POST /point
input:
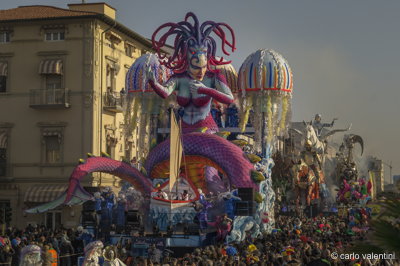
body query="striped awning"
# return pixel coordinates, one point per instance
(44, 193)
(3, 68)
(53, 66)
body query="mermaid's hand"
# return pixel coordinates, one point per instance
(150, 74)
(195, 85)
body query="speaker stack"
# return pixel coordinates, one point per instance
(133, 219)
(194, 229)
(247, 205)
(88, 213)
(88, 206)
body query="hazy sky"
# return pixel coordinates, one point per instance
(344, 54)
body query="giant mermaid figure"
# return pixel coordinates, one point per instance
(195, 82)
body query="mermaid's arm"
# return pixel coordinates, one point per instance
(164, 90)
(221, 93)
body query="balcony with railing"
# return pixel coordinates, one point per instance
(112, 102)
(50, 99)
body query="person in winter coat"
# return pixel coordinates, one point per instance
(66, 250)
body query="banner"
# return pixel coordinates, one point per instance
(175, 152)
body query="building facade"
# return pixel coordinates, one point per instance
(376, 171)
(62, 72)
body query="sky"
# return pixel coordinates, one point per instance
(344, 54)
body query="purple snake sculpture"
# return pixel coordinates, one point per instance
(196, 84)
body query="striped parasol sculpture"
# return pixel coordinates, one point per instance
(141, 102)
(265, 85)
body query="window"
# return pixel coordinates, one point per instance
(54, 36)
(4, 37)
(111, 140)
(3, 162)
(53, 149)
(52, 137)
(51, 71)
(3, 76)
(129, 50)
(3, 84)
(110, 79)
(4, 134)
(6, 211)
(110, 149)
(53, 220)
(53, 81)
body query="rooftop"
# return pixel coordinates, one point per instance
(40, 12)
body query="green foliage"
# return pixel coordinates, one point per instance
(385, 234)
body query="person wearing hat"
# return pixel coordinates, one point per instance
(16, 245)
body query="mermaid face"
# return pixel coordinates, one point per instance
(197, 58)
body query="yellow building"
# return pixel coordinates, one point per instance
(61, 75)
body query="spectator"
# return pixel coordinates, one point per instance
(66, 250)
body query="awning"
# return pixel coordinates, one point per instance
(3, 68)
(54, 66)
(44, 193)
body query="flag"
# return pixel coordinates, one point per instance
(176, 150)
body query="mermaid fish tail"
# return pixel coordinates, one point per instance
(76, 194)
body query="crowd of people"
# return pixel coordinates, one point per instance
(294, 241)
(58, 247)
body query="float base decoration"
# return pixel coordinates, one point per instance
(232, 162)
(243, 225)
(264, 218)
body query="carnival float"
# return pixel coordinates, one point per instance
(196, 173)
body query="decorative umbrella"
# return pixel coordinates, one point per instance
(265, 83)
(141, 98)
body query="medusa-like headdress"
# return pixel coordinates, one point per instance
(189, 34)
